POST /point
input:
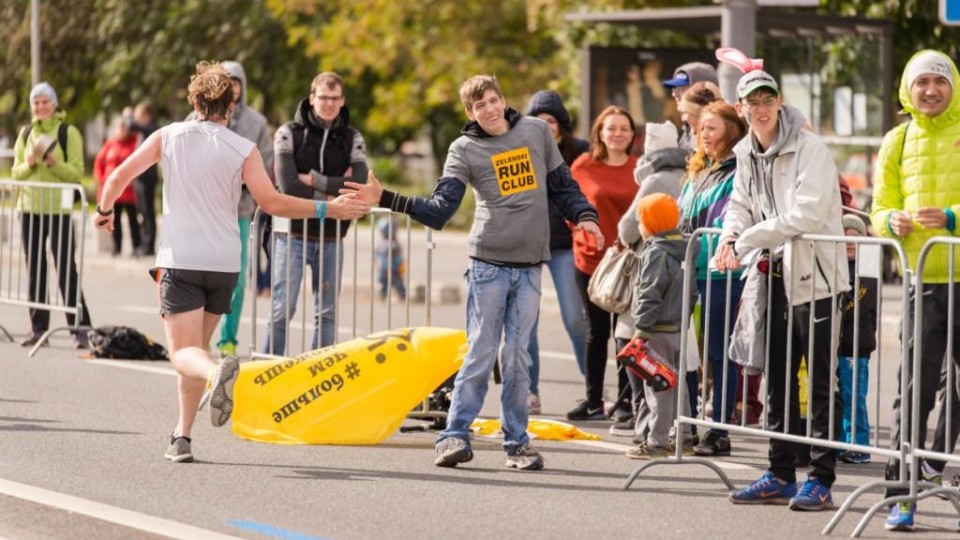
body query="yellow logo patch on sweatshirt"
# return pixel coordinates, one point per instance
(514, 171)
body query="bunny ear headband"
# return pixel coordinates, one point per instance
(737, 59)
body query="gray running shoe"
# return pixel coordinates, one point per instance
(451, 451)
(221, 390)
(179, 450)
(525, 459)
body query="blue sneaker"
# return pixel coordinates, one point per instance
(855, 458)
(813, 496)
(901, 517)
(767, 490)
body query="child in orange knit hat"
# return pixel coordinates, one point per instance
(657, 310)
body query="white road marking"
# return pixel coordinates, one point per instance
(110, 514)
(126, 364)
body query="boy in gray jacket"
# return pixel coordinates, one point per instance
(657, 310)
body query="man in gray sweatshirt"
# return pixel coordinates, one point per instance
(514, 167)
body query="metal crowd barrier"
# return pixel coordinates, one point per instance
(24, 237)
(912, 451)
(360, 270)
(358, 258)
(868, 257)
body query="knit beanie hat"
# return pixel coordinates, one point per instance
(660, 136)
(44, 89)
(928, 63)
(658, 213)
(851, 221)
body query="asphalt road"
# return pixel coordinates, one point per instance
(82, 444)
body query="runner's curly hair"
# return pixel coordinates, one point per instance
(210, 91)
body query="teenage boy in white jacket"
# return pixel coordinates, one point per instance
(786, 186)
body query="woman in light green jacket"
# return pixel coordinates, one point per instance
(46, 213)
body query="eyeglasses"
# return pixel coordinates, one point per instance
(327, 99)
(756, 104)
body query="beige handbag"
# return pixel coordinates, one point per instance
(611, 285)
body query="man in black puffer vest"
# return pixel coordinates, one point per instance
(313, 156)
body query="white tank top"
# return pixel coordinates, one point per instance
(202, 165)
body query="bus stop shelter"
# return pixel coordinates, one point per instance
(838, 70)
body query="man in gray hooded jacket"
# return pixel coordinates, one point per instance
(252, 126)
(786, 186)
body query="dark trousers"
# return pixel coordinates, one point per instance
(783, 373)
(35, 231)
(145, 188)
(131, 212)
(932, 373)
(601, 326)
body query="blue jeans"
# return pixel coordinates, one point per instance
(845, 371)
(715, 352)
(571, 310)
(231, 322)
(502, 302)
(289, 254)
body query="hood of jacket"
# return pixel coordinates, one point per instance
(548, 101)
(306, 117)
(949, 116)
(47, 124)
(235, 70)
(672, 242)
(658, 160)
(473, 129)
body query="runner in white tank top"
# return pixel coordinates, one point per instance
(203, 166)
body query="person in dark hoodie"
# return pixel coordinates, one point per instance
(547, 106)
(316, 154)
(785, 186)
(250, 125)
(515, 169)
(659, 170)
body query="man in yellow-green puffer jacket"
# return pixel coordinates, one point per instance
(915, 198)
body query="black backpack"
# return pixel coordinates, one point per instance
(61, 136)
(124, 343)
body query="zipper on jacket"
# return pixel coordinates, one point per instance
(323, 147)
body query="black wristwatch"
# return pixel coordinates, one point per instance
(104, 214)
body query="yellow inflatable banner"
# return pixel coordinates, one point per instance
(547, 430)
(357, 392)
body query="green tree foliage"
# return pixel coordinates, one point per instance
(916, 26)
(404, 59)
(106, 54)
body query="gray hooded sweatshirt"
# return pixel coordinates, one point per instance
(250, 125)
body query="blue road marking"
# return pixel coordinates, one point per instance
(270, 530)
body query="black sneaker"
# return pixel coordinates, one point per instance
(32, 340)
(622, 412)
(623, 429)
(583, 411)
(713, 445)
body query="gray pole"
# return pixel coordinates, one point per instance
(738, 29)
(35, 41)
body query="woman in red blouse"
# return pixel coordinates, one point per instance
(115, 150)
(606, 179)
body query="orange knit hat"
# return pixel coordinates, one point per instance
(658, 212)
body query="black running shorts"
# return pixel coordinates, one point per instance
(186, 290)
